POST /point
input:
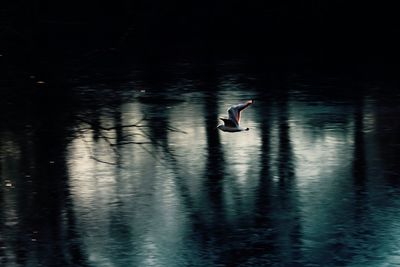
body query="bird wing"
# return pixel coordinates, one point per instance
(234, 111)
(228, 122)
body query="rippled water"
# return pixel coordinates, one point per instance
(135, 173)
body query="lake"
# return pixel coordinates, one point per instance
(131, 171)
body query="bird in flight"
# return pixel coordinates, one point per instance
(231, 124)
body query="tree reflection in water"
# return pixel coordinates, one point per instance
(312, 182)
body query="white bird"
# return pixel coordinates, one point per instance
(232, 123)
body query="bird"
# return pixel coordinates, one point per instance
(231, 124)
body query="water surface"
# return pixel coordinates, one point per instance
(133, 172)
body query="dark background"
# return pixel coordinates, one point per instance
(323, 35)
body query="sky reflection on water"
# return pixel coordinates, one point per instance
(313, 183)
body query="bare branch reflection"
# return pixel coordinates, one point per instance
(313, 182)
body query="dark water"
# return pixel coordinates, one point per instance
(132, 172)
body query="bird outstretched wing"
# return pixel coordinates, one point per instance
(234, 111)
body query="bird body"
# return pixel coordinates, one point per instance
(231, 124)
(231, 129)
